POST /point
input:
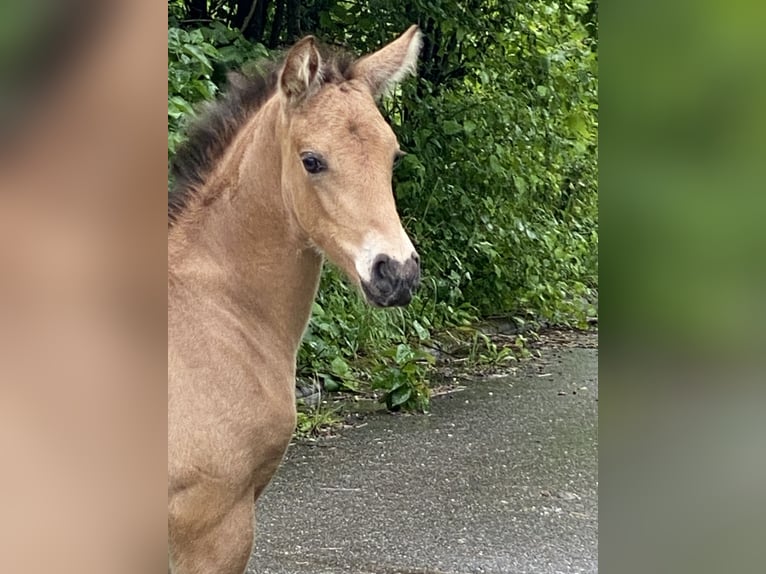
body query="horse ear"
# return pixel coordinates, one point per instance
(300, 73)
(383, 69)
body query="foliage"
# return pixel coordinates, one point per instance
(348, 344)
(313, 422)
(499, 187)
(189, 78)
(402, 377)
(197, 60)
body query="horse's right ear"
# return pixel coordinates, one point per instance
(300, 75)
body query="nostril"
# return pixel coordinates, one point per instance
(416, 258)
(380, 266)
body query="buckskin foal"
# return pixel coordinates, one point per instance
(285, 168)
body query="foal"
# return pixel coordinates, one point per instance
(285, 169)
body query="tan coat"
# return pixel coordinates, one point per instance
(305, 175)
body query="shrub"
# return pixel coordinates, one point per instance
(499, 187)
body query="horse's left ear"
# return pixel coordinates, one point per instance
(300, 73)
(383, 69)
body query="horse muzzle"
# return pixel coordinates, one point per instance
(392, 283)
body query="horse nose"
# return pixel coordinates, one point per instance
(392, 282)
(386, 270)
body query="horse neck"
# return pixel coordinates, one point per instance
(246, 243)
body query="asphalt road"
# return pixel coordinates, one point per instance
(499, 478)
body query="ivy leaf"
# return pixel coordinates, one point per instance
(451, 127)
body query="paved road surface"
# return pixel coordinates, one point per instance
(499, 478)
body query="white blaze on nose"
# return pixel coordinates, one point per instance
(375, 244)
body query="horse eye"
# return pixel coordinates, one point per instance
(312, 163)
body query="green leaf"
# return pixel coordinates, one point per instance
(422, 332)
(451, 127)
(339, 367)
(331, 386)
(400, 396)
(177, 104)
(403, 353)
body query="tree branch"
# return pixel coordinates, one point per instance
(276, 25)
(293, 20)
(249, 16)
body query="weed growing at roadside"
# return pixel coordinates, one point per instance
(314, 422)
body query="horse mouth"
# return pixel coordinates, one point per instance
(398, 297)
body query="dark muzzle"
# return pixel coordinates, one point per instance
(392, 283)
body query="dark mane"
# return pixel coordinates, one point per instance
(219, 122)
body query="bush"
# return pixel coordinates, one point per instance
(498, 190)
